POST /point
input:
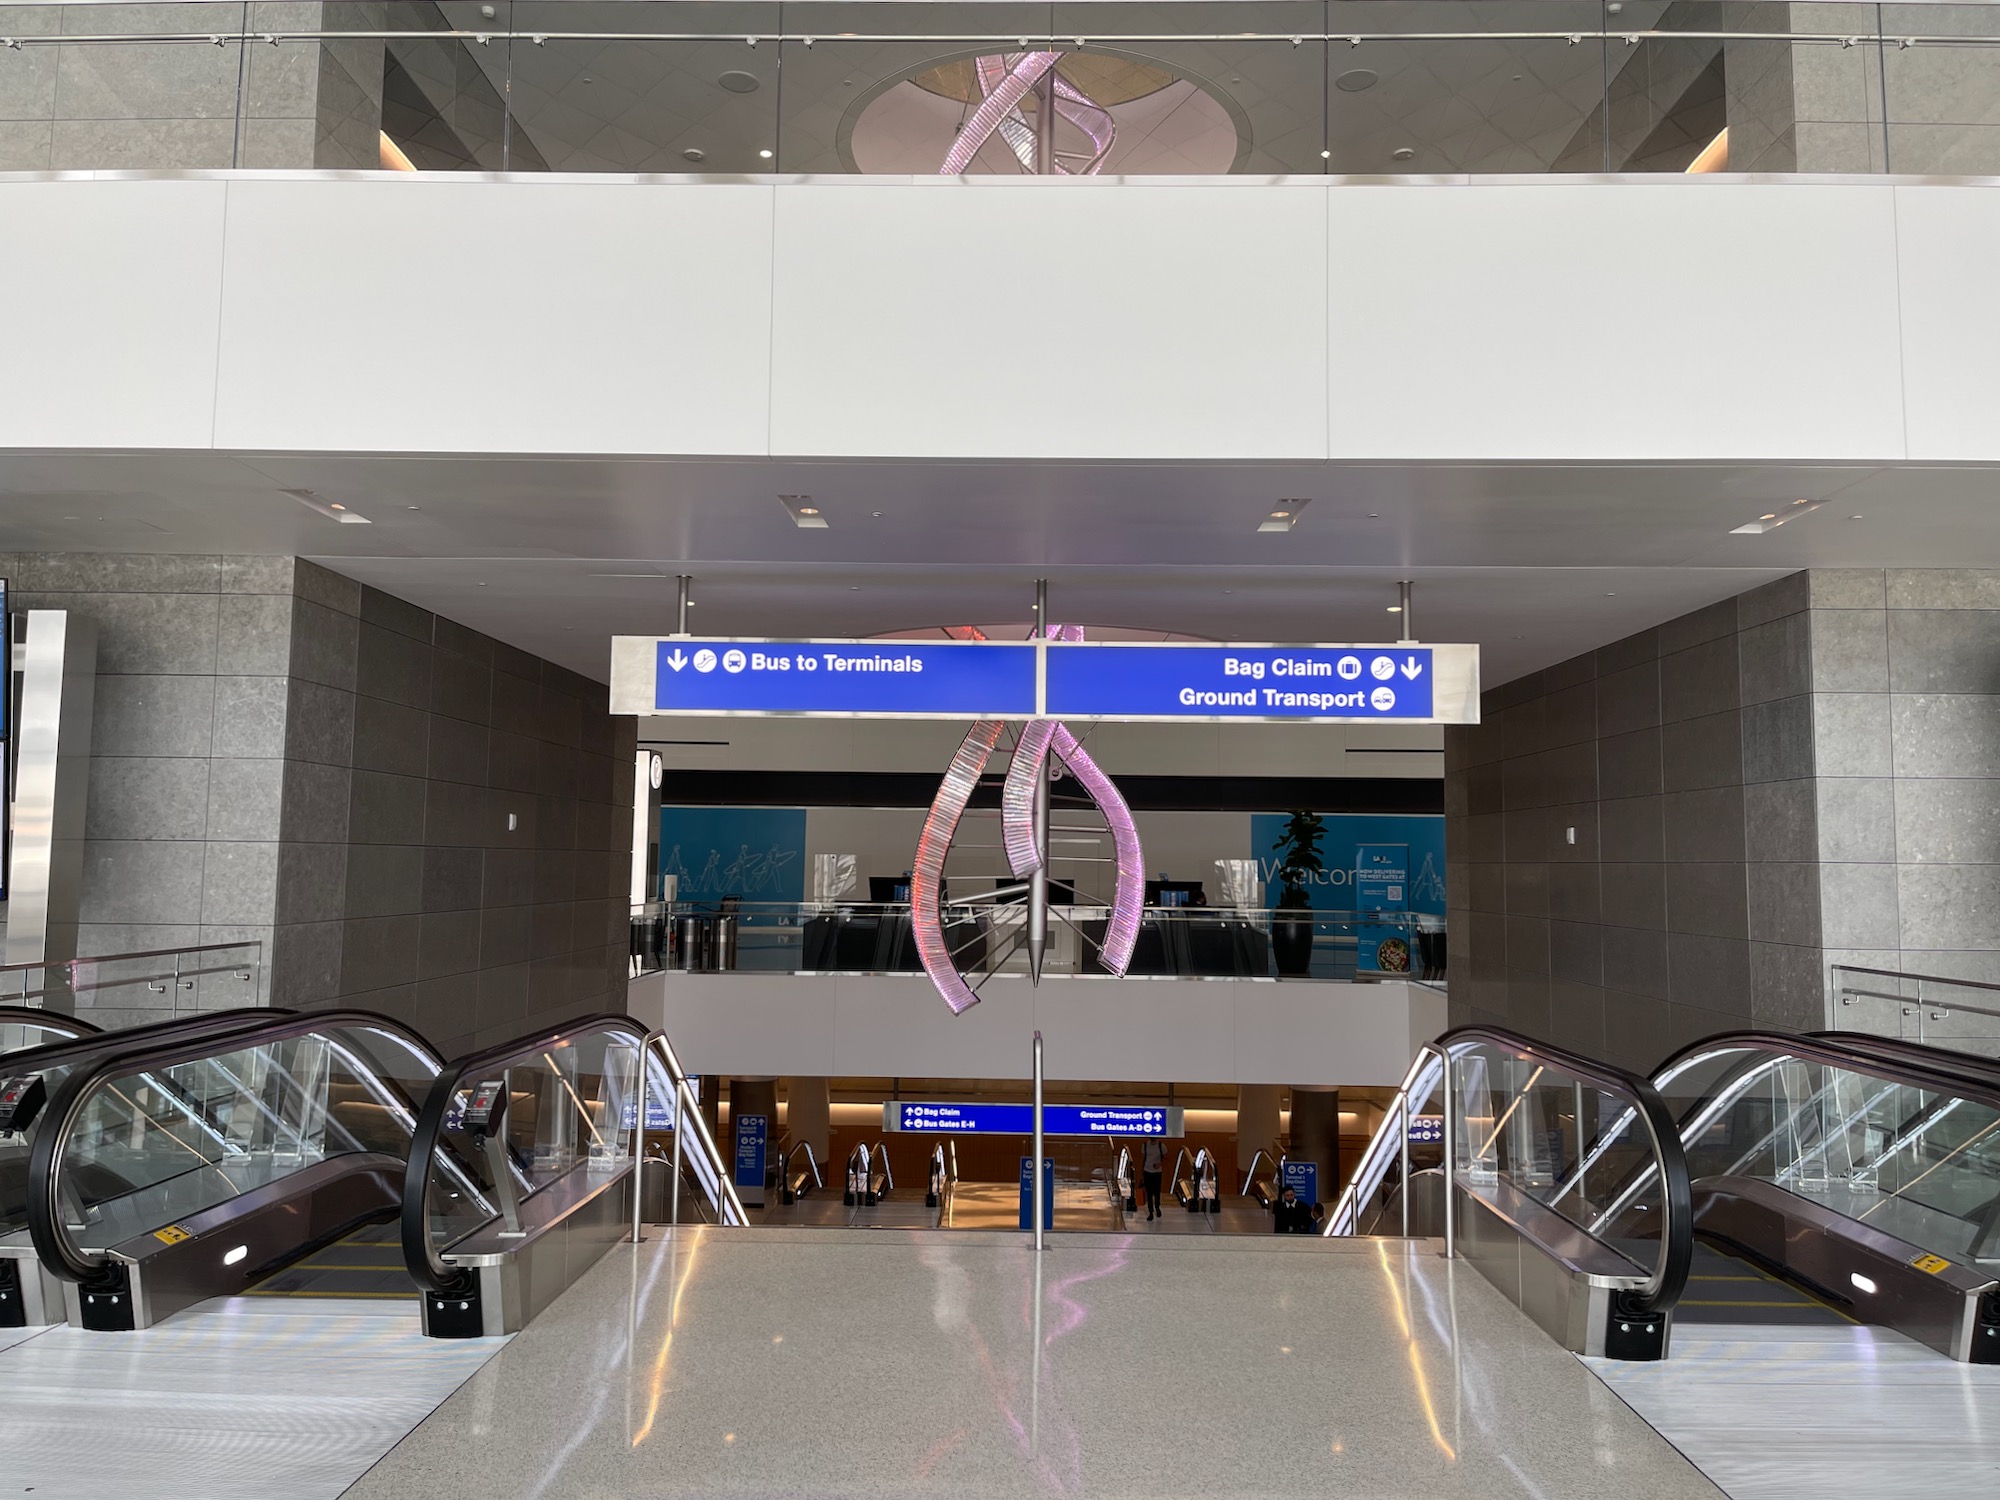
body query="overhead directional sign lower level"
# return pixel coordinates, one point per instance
(1151, 680)
(935, 1117)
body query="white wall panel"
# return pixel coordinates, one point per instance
(543, 317)
(1158, 1031)
(1665, 320)
(994, 317)
(1949, 244)
(110, 329)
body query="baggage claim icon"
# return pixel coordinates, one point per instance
(964, 940)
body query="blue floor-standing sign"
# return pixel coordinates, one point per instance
(752, 1131)
(1302, 1177)
(1028, 1192)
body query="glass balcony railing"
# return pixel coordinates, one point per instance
(1103, 87)
(1175, 942)
(1960, 1014)
(118, 990)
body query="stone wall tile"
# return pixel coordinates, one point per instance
(143, 634)
(1858, 905)
(1704, 752)
(1850, 651)
(1635, 962)
(1785, 903)
(325, 645)
(1943, 588)
(1628, 699)
(1947, 821)
(1576, 952)
(312, 882)
(115, 572)
(1944, 650)
(324, 586)
(1848, 588)
(1619, 655)
(1714, 622)
(1485, 839)
(1482, 788)
(385, 880)
(1708, 899)
(391, 613)
(1787, 987)
(1938, 735)
(1573, 892)
(256, 575)
(152, 882)
(153, 716)
(448, 943)
(254, 635)
(390, 737)
(149, 797)
(1705, 825)
(1776, 659)
(1630, 765)
(1632, 829)
(1576, 1017)
(377, 952)
(1857, 819)
(245, 802)
(1488, 888)
(1780, 821)
(1633, 895)
(1773, 601)
(318, 802)
(394, 666)
(462, 688)
(386, 809)
(239, 882)
(1704, 679)
(1778, 740)
(1940, 906)
(1851, 734)
(452, 879)
(319, 723)
(1711, 973)
(250, 716)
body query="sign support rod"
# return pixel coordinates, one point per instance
(1404, 588)
(1041, 1228)
(684, 587)
(1038, 882)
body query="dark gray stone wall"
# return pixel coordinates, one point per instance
(282, 755)
(1804, 775)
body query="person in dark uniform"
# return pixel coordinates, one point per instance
(1154, 1163)
(1290, 1216)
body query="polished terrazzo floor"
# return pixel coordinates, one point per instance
(236, 1399)
(766, 1362)
(1805, 1413)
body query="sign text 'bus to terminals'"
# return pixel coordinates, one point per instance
(1164, 681)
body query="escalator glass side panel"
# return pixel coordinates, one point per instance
(1528, 1126)
(142, 1142)
(507, 1130)
(1905, 1151)
(23, 1027)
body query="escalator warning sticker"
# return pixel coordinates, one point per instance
(1931, 1263)
(173, 1234)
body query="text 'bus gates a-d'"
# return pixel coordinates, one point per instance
(1162, 682)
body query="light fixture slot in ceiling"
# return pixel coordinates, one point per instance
(804, 513)
(1771, 520)
(1283, 516)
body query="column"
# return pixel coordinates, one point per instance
(809, 1115)
(1316, 1134)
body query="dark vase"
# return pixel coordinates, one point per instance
(1292, 942)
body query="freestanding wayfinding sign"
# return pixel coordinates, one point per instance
(1168, 682)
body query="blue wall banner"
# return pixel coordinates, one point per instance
(756, 853)
(930, 1115)
(1028, 1192)
(1334, 888)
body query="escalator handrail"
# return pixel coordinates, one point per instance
(76, 1049)
(1668, 1278)
(1979, 1087)
(1976, 1069)
(63, 1112)
(420, 1256)
(34, 1015)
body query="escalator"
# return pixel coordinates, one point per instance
(271, 1155)
(26, 1026)
(1828, 1179)
(28, 1075)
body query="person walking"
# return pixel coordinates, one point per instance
(1153, 1163)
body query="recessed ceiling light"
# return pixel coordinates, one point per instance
(695, 153)
(876, 514)
(1357, 80)
(1283, 516)
(1771, 520)
(1611, 596)
(333, 511)
(1404, 153)
(738, 82)
(1395, 609)
(805, 515)
(765, 155)
(1854, 518)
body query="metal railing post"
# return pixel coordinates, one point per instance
(639, 1146)
(1035, 1180)
(1403, 1122)
(1450, 1156)
(680, 1119)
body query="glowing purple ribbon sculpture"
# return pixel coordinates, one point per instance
(1021, 835)
(1004, 81)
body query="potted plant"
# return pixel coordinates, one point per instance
(1292, 923)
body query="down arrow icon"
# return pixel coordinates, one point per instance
(678, 659)
(1412, 668)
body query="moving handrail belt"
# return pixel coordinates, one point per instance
(420, 1255)
(64, 1113)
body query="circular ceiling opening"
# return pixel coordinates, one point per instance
(1112, 114)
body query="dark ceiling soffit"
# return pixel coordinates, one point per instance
(1325, 794)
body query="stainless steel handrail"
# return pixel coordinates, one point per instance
(687, 1107)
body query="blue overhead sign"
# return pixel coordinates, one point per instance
(1146, 680)
(1019, 1119)
(1239, 682)
(920, 679)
